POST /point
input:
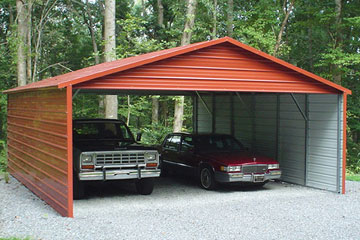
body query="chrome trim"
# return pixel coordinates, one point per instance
(254, 168)
(120, 158)
(119, 174)
(178, 164)
(241, 177)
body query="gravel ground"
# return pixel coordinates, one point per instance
(179, 209)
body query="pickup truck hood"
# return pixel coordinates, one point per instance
(109, 145)
(235, 158)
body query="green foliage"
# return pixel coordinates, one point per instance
(353, 177)
(3, 156)
(154, 134)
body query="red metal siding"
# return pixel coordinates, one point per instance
(37, 145)
(223, 67)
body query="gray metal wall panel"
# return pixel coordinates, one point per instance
(322, 167)
(243, 120)
(340, 143)
(204, 119)
(291, 149)
(265, 124)
(223, 114)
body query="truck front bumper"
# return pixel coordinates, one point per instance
(119, 174)
(240, 177)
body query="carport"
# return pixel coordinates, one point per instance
(273, 107)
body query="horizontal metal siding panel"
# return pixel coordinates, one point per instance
(265, 124)
(322, 170)
(292, 139)
(218, 68)
(37, 144)
(243, 119)
(222, 114)
(204, 119)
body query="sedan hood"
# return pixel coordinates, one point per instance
(235, 158)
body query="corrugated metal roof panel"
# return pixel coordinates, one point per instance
(216, 68)
(224, 59)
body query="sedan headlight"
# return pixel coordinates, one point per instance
(150, 156)
(273, 166)
(230, 168)
(86, 159)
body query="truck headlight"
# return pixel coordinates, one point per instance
(150, 156)
(86, 159)
(230, 168)
(273, 166)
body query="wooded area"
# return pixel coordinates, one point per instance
(40, 39)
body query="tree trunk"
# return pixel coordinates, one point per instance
(215, 20)
(155, 110)
(164, 112)
(189, 22)
(185, 40)
(160, 13)
(92, 32)
(338, 40)
(230, 17)
(178, 114)
(22, 34)
(28, 42)
(143, 8)
(111, 101)
(129, 110)
(282, 28)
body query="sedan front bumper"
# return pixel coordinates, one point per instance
(119, 174)
(241, 177)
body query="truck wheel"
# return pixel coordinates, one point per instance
(207, 178)
(78, 188)
(145, 186)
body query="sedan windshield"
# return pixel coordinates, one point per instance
(217, 143)
(101, 130)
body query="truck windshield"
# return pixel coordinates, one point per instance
(217, 143)
(101, 130)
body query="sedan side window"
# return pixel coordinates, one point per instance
(187, 144)
(174, 143)
(167, 142)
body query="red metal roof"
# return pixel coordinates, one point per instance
(103, 69)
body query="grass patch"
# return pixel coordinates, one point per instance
(353, 177)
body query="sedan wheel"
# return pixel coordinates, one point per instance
(207, 179)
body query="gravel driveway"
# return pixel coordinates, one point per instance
(179, 209)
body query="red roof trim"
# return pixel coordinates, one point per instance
(109, 68)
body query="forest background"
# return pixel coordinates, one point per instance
(320, 36)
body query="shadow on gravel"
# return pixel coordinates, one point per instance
(170, 185)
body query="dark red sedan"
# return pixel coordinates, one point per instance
(216, 158)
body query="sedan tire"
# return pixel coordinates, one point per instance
(207, 178)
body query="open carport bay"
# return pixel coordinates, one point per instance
(178, 209)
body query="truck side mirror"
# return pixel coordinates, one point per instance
(138, 136)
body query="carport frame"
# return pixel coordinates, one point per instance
(73, 80)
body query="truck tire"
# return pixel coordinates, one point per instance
(78, 188)
(145, 186)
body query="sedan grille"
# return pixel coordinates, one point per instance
(255, 169)
(120, 158)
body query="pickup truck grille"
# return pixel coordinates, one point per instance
(120, 158)
(255, 169)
